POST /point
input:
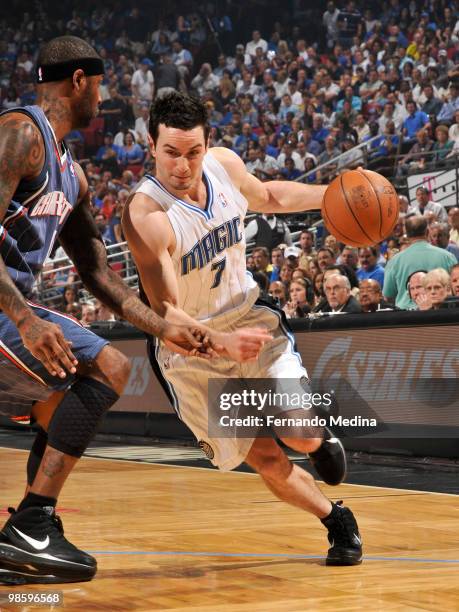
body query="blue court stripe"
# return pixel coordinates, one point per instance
(165, 553)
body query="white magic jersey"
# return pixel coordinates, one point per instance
(210, 257)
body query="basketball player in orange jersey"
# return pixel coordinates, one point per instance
(184, 227)
(44, 197)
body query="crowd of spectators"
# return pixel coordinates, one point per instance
(288, 100)
(416, 269)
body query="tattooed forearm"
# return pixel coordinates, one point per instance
(110, 289)
(81, 240)
(12, 303)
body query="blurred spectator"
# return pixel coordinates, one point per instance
(426, 205)
(256, 42)
(439, 237)
(143, 84)
(454, 277)
(292, 255)
(109, 155)
(103, 313)
(141, 125)
(418, 255)
(337, 289)
(453, 221)
(415, 121)
(88, 314)
(415, 160)
(349, 257)
(352, 156)
(69, 297)
(167, 76)
(261, 260)
(300, 294)
(286, 273)
(277, 259)
(182, 58)
(443, 146)
(371, 297)
(317, 285)
(331, 151)
(437, 288)
(330, 21)
(306, 244)
(113, 110)
(325, 257)
(415, 288)
(349, 23)
(289, 172)
(132, 152)
(448, 110)
(250, 263)
(277, 291)
(432, 105)
(205, 81)
(268, 231)
(369, 268)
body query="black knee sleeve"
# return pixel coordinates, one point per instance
(77, 417)
(36, 454)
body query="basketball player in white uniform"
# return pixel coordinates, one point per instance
(185, 228)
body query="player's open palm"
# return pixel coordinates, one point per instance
(47, 343)
(242, 345)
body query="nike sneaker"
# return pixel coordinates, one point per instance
(329, 460)
(344, 537)
(33, 549)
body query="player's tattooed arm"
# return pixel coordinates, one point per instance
(22, 155)
(83, 243)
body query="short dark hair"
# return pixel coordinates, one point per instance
(64, 49)
(324, 248)
(372, 248)
(179, 111)
(423, 189)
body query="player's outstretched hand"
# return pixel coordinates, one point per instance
(188, 340)
(46, 342)
(242, 345)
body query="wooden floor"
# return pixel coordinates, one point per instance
(174, 538)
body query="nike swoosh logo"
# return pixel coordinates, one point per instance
(333, 440)
(358, 539)
(34, 543)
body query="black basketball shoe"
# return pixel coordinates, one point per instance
(344, 537)
(33, 549)
(329, 460)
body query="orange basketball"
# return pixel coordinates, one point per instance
(360, 207)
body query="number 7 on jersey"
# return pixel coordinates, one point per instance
(219, 266)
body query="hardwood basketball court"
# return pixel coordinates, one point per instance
(180, 538)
